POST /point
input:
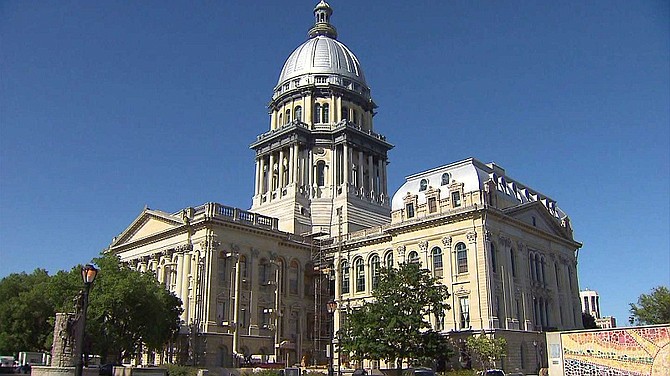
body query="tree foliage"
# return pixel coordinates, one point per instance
(588, 321)
(127, 309)
(394, 324)
(26, 312)
(653, 308)
(487, 350)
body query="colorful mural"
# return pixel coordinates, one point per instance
(625, 351)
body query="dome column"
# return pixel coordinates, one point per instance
(371, 175)
(359, 175)
(280, 183)
(345, 165)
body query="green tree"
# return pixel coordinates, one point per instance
(26, 312)
(486, 349)
(588, 321)
(394, 324)
(653, 308)
(129, 311)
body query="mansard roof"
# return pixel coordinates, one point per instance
(473, 174)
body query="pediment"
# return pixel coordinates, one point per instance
(148, 223)
(536, 215)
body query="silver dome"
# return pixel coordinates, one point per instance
(322, 55)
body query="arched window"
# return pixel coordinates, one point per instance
(544, 276)
(263, 272)
(360, 275)
(297, 113)
(288, 116)
(243, 266)
(321, 173)
(437, 258)
(293, 277)
(436, 253)
(374, 266)
(413, 257)
(345, 113)
(345, 277)
(445, 178)
(388, 260)
(281, 118)
(423, 185)
(462, 258)
(281, 267)
(494, 264)
(317, 113)
(326, 114)
(512, 257)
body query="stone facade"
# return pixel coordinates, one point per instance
(246, 287)
(252, 285)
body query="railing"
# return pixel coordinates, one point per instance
(230, 213)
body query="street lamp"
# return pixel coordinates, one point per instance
(537, 356)
(331, 307)
(88, 274)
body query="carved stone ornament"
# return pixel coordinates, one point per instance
(209, 243)
(472, 236)
(423, 246)
(184, 247)
(520, 245)
(255, 252)
(234, 247)
(504, 240)
(446, 241)
(401, 251)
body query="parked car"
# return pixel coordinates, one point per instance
(419, 371)
(493, 372)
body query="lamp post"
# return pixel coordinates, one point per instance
(88, 274)
(537, 356)
(331, 307)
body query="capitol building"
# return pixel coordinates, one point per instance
(323, 221)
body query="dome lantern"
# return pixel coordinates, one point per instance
(322, 26)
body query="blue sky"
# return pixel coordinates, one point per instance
(106, 107)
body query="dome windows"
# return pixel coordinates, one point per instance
(321, 113)
(297, 113)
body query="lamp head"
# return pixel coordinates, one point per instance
(331, 306)
(88, 274)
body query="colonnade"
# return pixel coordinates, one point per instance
(341, 165)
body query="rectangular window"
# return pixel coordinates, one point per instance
(464, 305)
(321, 79)
(409, 210)
(432, 205)
(455, 199)
(345, 280)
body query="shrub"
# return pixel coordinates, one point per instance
(176, 370)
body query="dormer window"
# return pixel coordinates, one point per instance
(445, 178)
(409, 210)
(455, 199)
(423, 185)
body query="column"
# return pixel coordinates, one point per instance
(359, 180)
(261, 176)
(273, 119)
(291, 165)
(281, 169)
(310, 168)
(271, 175)
(371, 177)
(257, 181)
(380, 172)
(345, 165)
(338, 109)
(334, 168)
(236, 310)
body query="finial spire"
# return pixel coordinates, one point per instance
(322, 26)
